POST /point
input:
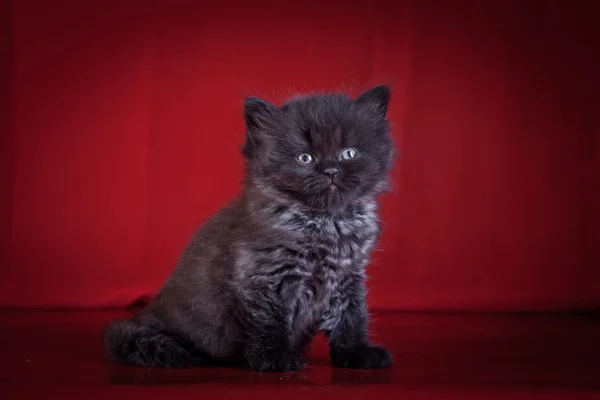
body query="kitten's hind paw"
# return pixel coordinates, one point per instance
(368, 357)
(275, 363)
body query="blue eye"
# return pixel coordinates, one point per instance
(305, 158)
(348, 153)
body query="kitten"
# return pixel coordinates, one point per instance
(287, 258)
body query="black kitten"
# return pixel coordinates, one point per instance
(288, 257)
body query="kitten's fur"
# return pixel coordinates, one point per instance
(288, 257)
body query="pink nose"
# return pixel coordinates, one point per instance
(331, 172)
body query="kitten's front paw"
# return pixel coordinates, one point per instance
(275, 363)
(368, 357)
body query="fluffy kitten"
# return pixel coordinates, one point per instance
(287, 258)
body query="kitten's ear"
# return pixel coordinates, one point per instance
(257, 112)
(258, 115)
(377, 97)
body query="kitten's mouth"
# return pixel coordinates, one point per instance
(330, 189)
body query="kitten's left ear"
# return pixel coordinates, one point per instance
(257, 112)
(377, 97)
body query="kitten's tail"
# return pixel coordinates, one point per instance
(129, 342)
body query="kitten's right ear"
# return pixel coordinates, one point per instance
(258, 115)
(258, 112)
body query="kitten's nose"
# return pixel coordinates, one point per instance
(331, 172)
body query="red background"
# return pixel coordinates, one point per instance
(123, 126)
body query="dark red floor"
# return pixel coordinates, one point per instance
(60, 355)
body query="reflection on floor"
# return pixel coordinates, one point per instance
(59, 354)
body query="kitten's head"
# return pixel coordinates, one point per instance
(323, 150)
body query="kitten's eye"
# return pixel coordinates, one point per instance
(305, 158)
(348, 153)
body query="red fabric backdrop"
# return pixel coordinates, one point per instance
(123, 128)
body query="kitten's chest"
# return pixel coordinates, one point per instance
(341, 240)
(334, 249)
(337, 247)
